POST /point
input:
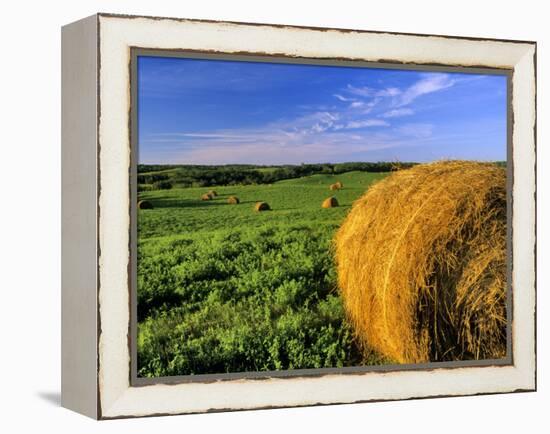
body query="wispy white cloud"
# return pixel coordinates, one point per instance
(365, 107)
(366, 91)
(268, 146)
(360, 91)
(316, 122)
(395, 113)
(388, 92)
(312, 151)
(430, 83)
(320, 134)
(280, 143)
(371, 105)
(343, 98)
(351, 120)
(367, 123)
(317, 134)
(209, 135)
(394, 97)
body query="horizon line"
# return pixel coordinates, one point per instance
(324, 163)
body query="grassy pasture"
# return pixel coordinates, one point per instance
(222, 288)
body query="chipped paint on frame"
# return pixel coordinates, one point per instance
(118, 397)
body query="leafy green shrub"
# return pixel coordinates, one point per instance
(145, 187)
(162, 185)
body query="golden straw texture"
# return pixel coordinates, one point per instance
(422, 263)
(262, 206)
(330, 202)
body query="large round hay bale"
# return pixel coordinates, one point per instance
(233, 200)
(422, 263)
(144, 204)
(262, 206)
(207, 196)
(330, 202)
(212, 193)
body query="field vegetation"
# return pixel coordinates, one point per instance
(314, 270)
(224, 288)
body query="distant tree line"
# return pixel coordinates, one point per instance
(155, 177)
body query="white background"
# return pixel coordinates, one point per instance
(30, 216)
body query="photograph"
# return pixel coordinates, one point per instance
(296, 215)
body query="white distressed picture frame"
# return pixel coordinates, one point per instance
(96, 377)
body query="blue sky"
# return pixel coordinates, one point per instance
(224, 112)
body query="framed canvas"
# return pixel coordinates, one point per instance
(262, 216)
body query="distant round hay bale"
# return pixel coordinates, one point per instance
(144, 204)
(421, 261)
(333, 187)
(233, 200)
(330, 202)
(212, 193)
(339, 184)
(262, 206)
(207, 196)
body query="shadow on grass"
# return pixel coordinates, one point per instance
(159, 203)
(220, 200)
(244, 202)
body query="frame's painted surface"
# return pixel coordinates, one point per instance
(116, 394)
(79, 255)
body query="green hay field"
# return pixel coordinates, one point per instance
(222, 288)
